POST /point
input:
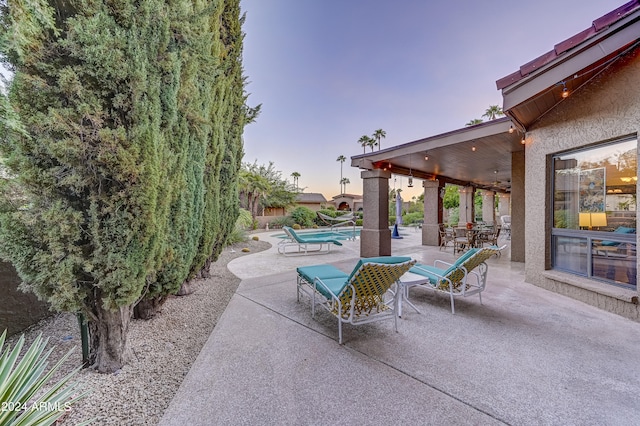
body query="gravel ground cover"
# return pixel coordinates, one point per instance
(163, 350)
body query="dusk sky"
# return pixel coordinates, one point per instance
(329, 71)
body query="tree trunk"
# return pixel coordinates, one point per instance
(147, 308)
(205, 271)
(109, 349)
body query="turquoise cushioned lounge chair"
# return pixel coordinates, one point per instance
(303, 244)
(359, 297)
(465, 277)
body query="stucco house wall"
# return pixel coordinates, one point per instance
(607, 108)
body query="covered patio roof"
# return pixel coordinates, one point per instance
(539, 85)
(478, 156)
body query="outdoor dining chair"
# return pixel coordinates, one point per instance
(446, 236)
(463, 239)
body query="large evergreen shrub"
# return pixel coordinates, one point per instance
(122, 133)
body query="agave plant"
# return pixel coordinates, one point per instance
(24, 397)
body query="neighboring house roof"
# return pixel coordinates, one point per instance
(598, 25)
(310, 197)
(353, 196)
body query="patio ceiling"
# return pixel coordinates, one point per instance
(452, 158)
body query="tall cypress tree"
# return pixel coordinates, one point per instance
(121, 132)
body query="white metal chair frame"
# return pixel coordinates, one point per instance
(468, 278)
(338, 221)
(367, 297)
(304, 246)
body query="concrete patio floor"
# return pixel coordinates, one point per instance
(525, 356)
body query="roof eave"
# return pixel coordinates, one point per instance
(605, 43)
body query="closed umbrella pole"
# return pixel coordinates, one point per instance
(399, 208)
(395, 233)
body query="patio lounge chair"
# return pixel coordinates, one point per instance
(357, 298)
(345, 219)
(302, 244)
(336, 222)
(466, 277)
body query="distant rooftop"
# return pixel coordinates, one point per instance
(353, 196)
(310, 197)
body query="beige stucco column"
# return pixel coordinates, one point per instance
(375, 237)
(489, 206)
(432, 212)
(518, 210)
(504, 205)
(466, 205)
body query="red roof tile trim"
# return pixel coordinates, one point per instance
(614, 15)
(599, 24)
(571, 42)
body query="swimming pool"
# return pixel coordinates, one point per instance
(336, 235)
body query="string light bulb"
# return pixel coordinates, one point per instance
(426, 156)
(511, 129)
(473, 148)
(523, 141)
(565, 90)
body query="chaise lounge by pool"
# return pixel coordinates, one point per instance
(347, 234)
(336, 235)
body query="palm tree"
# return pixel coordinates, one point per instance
(493, 112)
(254, 187)
(474, 122)
(364, 141)
(295, 175)
(377, 135)
(344, 182)
(341, 159)
(372, 143)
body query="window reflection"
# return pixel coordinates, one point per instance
(614, 261)
(594, 212)
(595, 189)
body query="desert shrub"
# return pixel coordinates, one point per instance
(412, 218)
(239, 232)
(237, 235)
(303, 216)
(296, 226)
(26, 385)
(279, 222)
(244, 221)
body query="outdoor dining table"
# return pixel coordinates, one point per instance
(475, 235)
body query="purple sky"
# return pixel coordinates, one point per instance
(329, 71)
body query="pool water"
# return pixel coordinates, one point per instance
(336, 235)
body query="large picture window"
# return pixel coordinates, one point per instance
(594, 212)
